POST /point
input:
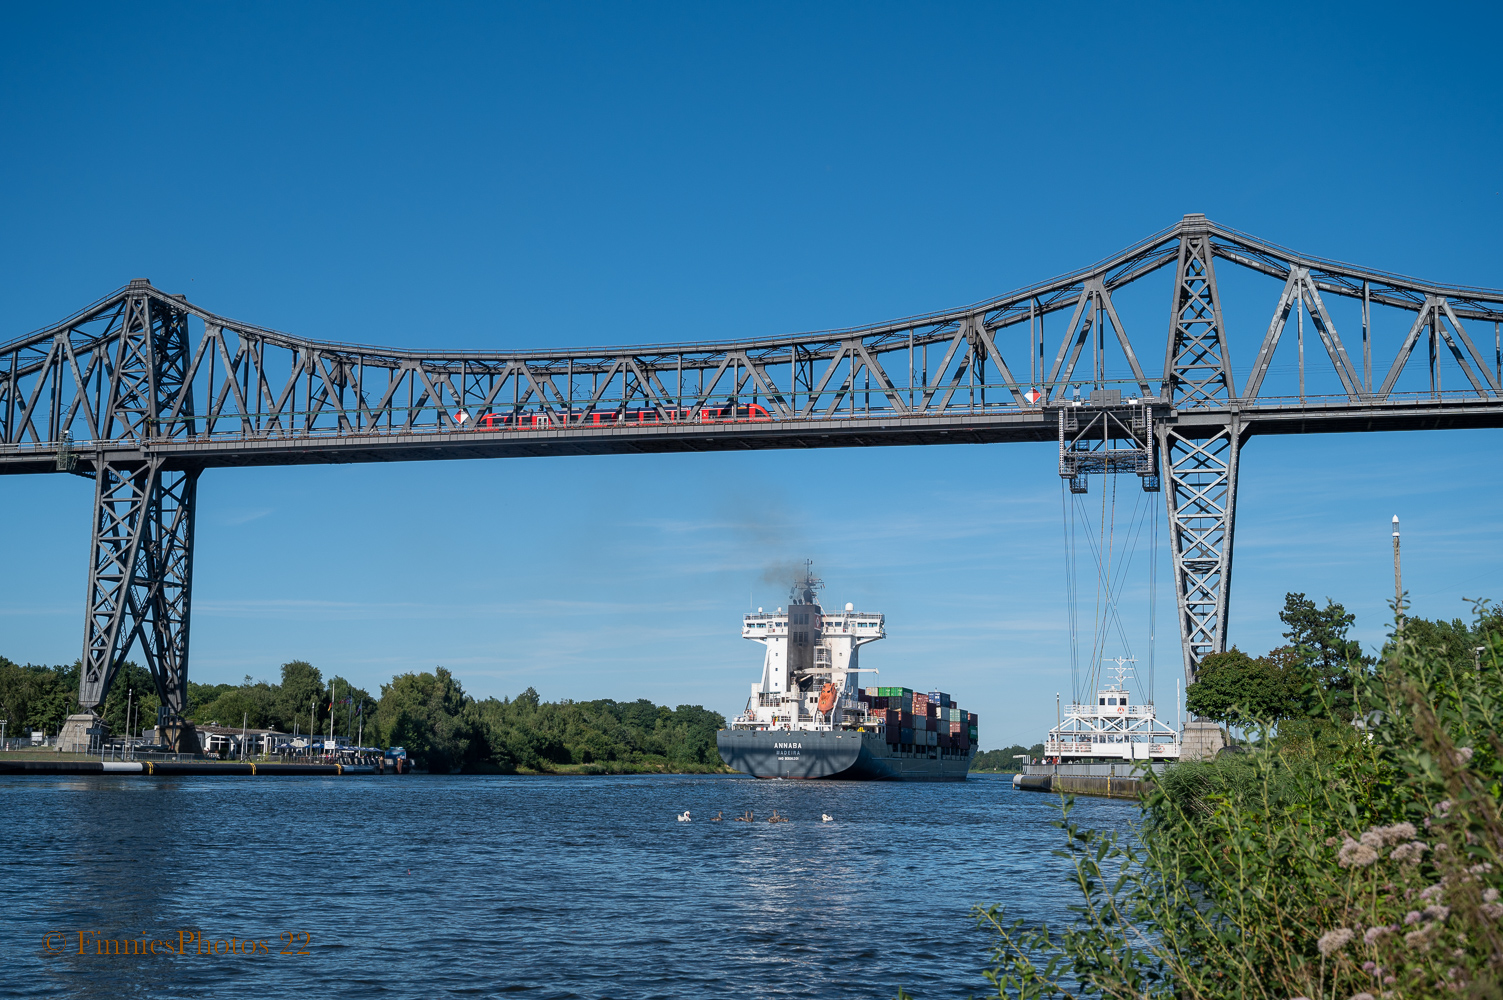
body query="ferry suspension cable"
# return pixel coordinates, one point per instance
(1112, 565)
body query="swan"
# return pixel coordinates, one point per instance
(716, 818)
(745, 817)
(826, 818)
(684, 816)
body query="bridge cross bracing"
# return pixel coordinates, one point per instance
(143, 390)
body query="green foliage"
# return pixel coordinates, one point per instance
(1002, 760)
(605, 735)
(429, 714)
(1321, 653)
(1357, 861)
(1234, 689)
(36, 697)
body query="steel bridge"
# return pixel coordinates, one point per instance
(143, 390)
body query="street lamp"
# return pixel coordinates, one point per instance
(1477, 656)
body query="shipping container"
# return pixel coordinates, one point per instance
(905, 735)
(932, 737)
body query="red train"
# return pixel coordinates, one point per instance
(726, 413)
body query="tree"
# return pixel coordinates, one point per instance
(1327, 659)
(36, 697)
(425, 713)
(301, 698)
(1455, 642)
(1234, 689)
(1003, 759)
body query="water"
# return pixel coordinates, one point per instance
(542, 887)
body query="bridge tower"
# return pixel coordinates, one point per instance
(1199, 457)
(141, 559)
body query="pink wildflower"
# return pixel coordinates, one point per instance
(1376, 934)
(1354, 854)
(1330, 841)
(1490, 896)
(1389, 834)
(1463, 755)
(1437, 912)
(1492, 911)
(1412, 917)
(1363, 996)
(1431, 892)
(1410, 852)
(1334, 940)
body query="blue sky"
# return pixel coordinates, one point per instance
(548, 175)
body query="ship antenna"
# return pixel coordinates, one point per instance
(803, 590)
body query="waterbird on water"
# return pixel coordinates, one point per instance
(684, 816)
(715, 818)
(826, 818)
(746, 817)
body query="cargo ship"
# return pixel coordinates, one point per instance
(808, 717)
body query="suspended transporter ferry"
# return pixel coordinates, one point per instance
(807, 718)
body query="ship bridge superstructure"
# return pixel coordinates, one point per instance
(812, 662)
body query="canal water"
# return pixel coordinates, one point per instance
(540, 887)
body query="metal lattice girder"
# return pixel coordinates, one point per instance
(211, 391)
(145, 380)
(140, 579)
(141, 559)
(1201, 474)
(1196, 368)
(1107, 438)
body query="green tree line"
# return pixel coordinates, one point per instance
(429, 714)
(1309, 681)
(1002, 760)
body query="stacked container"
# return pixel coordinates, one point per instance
(919, 719)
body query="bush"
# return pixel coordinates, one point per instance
(1346, 861)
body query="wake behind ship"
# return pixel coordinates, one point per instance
(808, 718)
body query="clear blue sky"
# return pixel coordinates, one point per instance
(549, 175)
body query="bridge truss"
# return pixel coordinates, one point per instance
(143, 390)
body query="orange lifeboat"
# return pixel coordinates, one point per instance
(827, 697)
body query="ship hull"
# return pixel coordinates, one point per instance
(833, 756)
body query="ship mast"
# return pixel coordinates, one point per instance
(805, 586)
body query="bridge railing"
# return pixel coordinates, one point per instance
(467, 420)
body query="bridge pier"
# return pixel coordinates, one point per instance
(1200, 458)
(141, 584)
(1201, 501)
